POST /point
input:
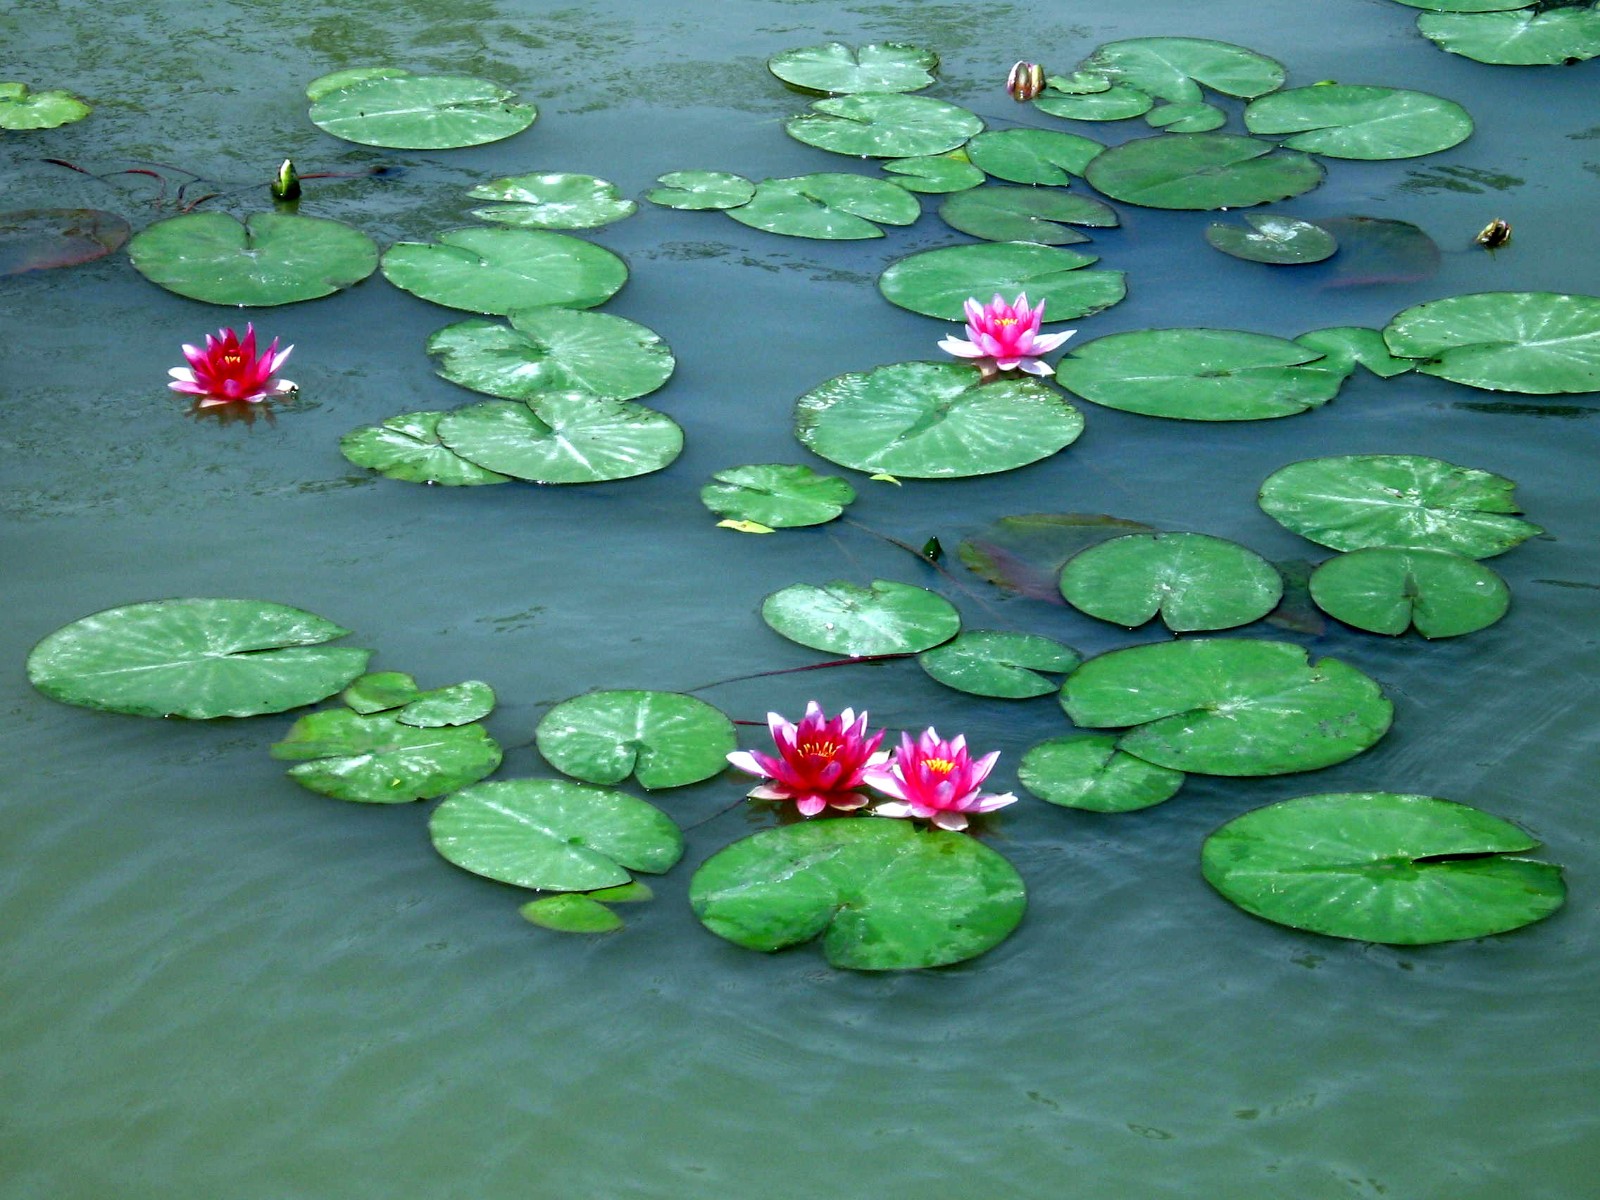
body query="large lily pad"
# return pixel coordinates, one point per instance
(271, 258)
(988, 662)
(846, 618)
(1539, 343)
(1352, 501)
(554, 835)
(1114, 103)
(501, 270)
(407, 447)
(1087, 771)
(936, 283)
(1199, 374)
(422, 112)
(23, 109)
(1006, 214)
(700, 190)
(934, 421)
(197, 658)
(1174, 68)
(881, 894)
(1382, 867)
(379, 759)
(1347, 121)
(1036, 156)
(1225, 706)
(1519, 39)
(1024, 554)
(1468, 6)
(831, 206)
(1192, 581)
(552, 200)
(934, 173)
(1274, 239)
(777, 495)
(563, 438)
(1201, 171)
(1385, 590)
(37, 239)
(842, 70)
(553, 350)
(662, 739)
(884, 125)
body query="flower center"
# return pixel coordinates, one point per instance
(942, 766)
(1007, 322)
(821, 749)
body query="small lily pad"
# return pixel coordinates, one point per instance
(1025, 554)
(986, 662)
(1194, 116)
(662, 739)
(421, 112)
(381, 691)
(1385, 867)
(777, 495)
(842, 70)
(937, 283)
(1116, 103)
(1346, 121)
(831, 206)
(457, 704)
(1032, 155)
(934, 173)
(1087, 771)
(37, 239)
(571, 912)
(884, 125)
(499, 271)
(1549, 37)
(1273, 239)
(883, 895)
(1536, 343)
(407, 447)
(268, 259)
(552, 200)
(1201, 171)
(846, 618)
(1346, 345)
(1192, 581)
(553, 350)
(22, 109)
(563, 438)
(700, 190)
(1387, 590)
(376, 759)
(1015, 214)
(1174, 68)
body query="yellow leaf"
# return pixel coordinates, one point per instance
(883, 478)
(746, 526)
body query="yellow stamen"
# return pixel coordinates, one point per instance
(942, 765)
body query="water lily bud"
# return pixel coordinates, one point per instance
(1025, 81)
(1494, 235)
(286, 183)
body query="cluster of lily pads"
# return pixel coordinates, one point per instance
(1515, 33)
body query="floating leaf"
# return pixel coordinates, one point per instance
(326, 85)
(421, 112)
(553, 350)
(1201, 171)
(1088, 771)
(846, 618)
(624, 893)
(571, 913)
(1538, 343)
(1199, 374)
(1192, 581)
(1032, 155)
(380, 691)
(1346, 345)
(1080, 83)
(985, 662)
(552, 200)
(1382, 867)
(698, 190)
(934, 173)
(1195, 116)
(21, 109)
(1004, 214)
(1385, 590)
(375, 759)
(662, 739)
(884, 125)
(1025, 554)
(458, 704)
(776, 496)
(1352, 501)
(1226, 706)
(1273, 239)
(830, 205)
(1518, 39)
(37, 239)
(1111, 104)
(554, 835)
(499, 271)
(199, 658)
(841, 70)
(934, 421)
(881, 894)
(746, 526)
(1345, 121)
(1174, 68)
(1459, 6)
(563, 438)
(408, 448)
(271, 258)
(936, 283)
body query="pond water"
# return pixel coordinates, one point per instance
(218, 984)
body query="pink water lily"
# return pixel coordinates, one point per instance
(820, 762)
(227, 370)
(936, 781)
(1005, 337)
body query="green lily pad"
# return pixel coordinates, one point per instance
(841, 70)
(1114, 103)
(1345, 121)
(38, 239)
(381, 691)
(196, 658)
(934, 421)
(1024, 554)
(571, 912)
(1468, 6)
(1192, 581)
(1087, 771)
(1273, 239)
(777, 495)
(552, 200)
(407, 447)
(1346, 345)
(1015, 214)
(1174, 68)
(1201, 171)
(1382, 867)
(846, 618)
(554, 835)
(1079, 83)
(376, 759)
(553, 350)
(22, 109)
(884, 125)
(1352, 501)
(830, 205)
(1229, 706)
(1032, 155)
(624, 893)
(883, 895)
(662, 739)
(1194, 116)
(457, 704)
(986, 662)
(1538, 343)
(934, 173)
(1518, 39)
(499, 271)
(1386, 590)
(936, 283)
(421, 112)
(700, 190)
(326, 85)
(563, 438)
(271, 258)
(1199, 374)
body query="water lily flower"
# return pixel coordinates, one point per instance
(1005, 337)
(820, 762)
(227, 370)
(936, 780)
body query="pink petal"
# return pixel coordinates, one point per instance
(746, 761)
(892, 809)
(1044, 343)
(956, 346)
(991, 802)
(1033, 366)
(953, 821)
(810, 805)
